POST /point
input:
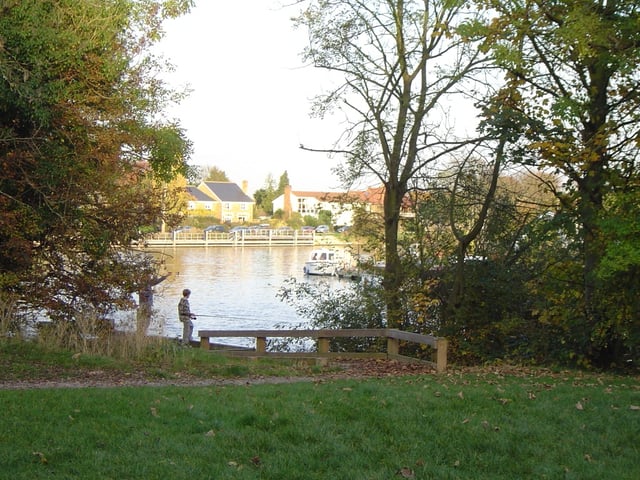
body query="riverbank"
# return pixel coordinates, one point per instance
(27, 365)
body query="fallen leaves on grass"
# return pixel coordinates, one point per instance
(54, 376)
(371, 367)
(406, 472)
(487, 426)
(41, 458)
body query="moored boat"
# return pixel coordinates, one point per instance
(324, 261)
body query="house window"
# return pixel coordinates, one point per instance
(227, 206)
(302, 205)
(207, 206)
(191, 205)
(243, 206)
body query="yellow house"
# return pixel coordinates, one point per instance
(223, 200)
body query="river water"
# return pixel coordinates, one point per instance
(231, 288)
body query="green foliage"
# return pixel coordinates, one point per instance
(83, 149)
(528, 306)
(569, 68)
(492, 318)
(283, 183)
(324, 217)
(621, 229)
(609, 340)
(214, 174)
(310, 220)
(616, 333)
(352, 305)
(264, 196)
(295, 220)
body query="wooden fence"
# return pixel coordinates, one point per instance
(392, 335)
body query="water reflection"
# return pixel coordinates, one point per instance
(235, 287)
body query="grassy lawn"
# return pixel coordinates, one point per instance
(466, 426)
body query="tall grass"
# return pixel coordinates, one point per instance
(33, 362)
(86, 334)
(11, 322)
(428, 427)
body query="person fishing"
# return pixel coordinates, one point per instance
(185, 316)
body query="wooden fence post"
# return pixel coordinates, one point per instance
(441, 355)
(393, 346)
(261, 344)
(204, 343)
(323, 345)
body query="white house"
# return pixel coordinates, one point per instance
(340, 204)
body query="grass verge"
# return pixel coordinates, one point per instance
(31, 361)
(456, 426)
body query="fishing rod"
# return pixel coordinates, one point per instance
(210, 316)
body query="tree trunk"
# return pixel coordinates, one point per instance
(464, 240)
(392, 280)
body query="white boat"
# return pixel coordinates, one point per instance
(324, 261)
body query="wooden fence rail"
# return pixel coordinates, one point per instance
(393, 336)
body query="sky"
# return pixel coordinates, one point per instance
(248, 112)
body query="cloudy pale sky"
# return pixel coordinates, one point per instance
(249, 108)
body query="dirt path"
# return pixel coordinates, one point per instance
(365, 368)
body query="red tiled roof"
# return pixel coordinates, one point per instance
(372, 195)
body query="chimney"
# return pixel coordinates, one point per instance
(287, 201)
(245, 186)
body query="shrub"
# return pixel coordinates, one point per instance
(353, 305)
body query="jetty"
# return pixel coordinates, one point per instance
(248, 237)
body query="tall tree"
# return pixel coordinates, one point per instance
(399, 61)
(283, 182)
(574, 67)
(265, 195)
(215, 174)
(83, 148)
